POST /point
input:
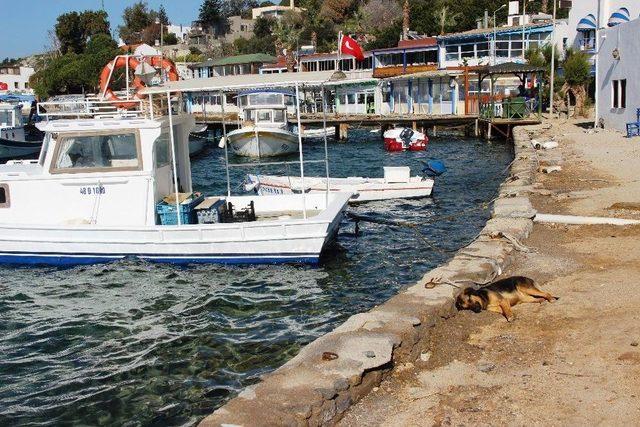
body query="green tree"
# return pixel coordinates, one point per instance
(170, 38)
(287, 33)
(136, 18)
(577, 75)
(75, 73)
(162, 16)
(212, 15)
(73, 29)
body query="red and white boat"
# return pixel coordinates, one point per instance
(403, 139)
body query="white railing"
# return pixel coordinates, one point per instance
(92, 108)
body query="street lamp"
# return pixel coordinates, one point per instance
(495, 32)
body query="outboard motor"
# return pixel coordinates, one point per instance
(406, 135)
(434, 168)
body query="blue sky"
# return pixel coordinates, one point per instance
(25, 23)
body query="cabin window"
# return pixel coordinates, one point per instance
(161, 150)
(278, 116)
(6, 118)
(264, 116)
(96, 152)
(4, 196)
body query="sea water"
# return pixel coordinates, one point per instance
(133, 343)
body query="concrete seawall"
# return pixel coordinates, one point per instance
(336, 370)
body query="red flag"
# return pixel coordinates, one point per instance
(349, 46)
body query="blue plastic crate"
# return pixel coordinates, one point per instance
(167, 211)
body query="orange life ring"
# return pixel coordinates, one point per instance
(105, 77)
(155, 61)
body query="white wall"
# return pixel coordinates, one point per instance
(18, 82)
(582, 8)
(625, 38)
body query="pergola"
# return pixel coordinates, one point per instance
(510, 68)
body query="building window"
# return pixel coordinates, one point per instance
(619, 93)
(15, 85)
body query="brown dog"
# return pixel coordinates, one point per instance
(500, 296)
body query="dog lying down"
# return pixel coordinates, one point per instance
(500, 296)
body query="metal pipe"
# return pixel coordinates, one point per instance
(304, 197)
(326, 149)
(173, 159)
(251, 165)
(596, 63)
(127, 68)
(553, 57)
(226, 143)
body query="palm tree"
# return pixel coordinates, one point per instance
(445, 19)
(287, 34)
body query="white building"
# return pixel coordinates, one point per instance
(585, 15)
(618, 83)
(273, 11)
(15, 78)
(180, 31)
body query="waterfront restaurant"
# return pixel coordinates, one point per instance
(409, 56)
(478, 47)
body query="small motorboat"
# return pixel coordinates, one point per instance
(318, 133)
(405, 139)
(265, 131)
(396, 184)
(17, 141)
(197, 139)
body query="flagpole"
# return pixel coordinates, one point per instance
(339, 51)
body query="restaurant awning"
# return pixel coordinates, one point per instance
(588, 23)
(618, 17)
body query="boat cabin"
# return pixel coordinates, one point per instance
(266, 107)
(102, 171)
(11, 122)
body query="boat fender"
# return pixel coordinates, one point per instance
(223, 142)
(434, 168)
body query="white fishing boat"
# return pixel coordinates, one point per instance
(264, 130)
(15, 141)
(103, 186)
(396, 184)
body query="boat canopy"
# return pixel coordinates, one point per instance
(588, 23)
(253, 81)
(618, 17)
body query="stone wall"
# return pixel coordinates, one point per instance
(335, 371)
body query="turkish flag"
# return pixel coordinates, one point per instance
(4, 86)
(349, 46)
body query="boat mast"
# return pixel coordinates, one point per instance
(173, 158)
(304, 196)
(224, 135)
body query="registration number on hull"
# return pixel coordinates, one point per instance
(87, 191)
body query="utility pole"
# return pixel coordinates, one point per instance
(595, 60)
(553, 57)
(495, 34)
(524, 19)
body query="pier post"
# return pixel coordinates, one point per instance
(414, 125)
(477, 129)
(435, 130)
(489, 126)
(341, 131)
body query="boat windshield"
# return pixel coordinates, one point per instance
(97, 152)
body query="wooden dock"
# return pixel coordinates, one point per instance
(472, 125)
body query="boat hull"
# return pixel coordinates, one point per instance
(364, 190)
(261, 242)
(262, 142)
(394, 142)
(10, 149)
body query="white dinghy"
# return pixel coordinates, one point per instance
(116, 183)
(396, 184)
(15, 142)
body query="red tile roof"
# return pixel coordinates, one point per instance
(427, 41)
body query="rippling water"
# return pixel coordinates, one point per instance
(132, 343)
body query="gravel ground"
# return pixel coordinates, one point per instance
(572, 362)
